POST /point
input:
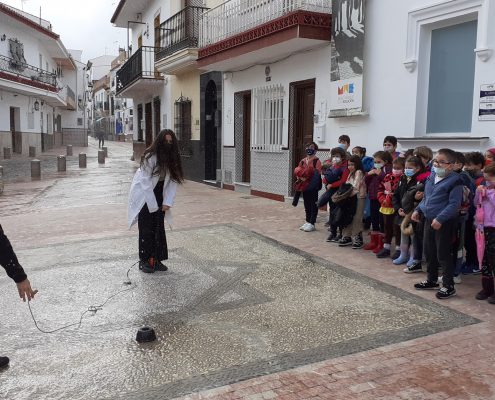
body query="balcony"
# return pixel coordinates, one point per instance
(239, 33)
(69, 96)
(138, 75)
(26, 74)
(179, 39)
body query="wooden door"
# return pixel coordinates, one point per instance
(148, 124)
(140, 122)
(157, 116)
(246, 145)
(304, 104)
(156, 24)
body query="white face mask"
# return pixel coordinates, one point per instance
(336, 160)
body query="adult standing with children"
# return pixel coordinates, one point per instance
(151, 197)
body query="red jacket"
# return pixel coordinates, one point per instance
(306, 172)
(389, 184)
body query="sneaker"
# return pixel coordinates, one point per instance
(491, 299)
(160, 266)
(309, 228)
(345, 241)
(146, 267)
(470, 270)
(445, 292)
(426, 285)
(482, 295)
(357, 243)
(411, 262)
(396, 255)
(414, 267)
(336, 238)
(383, 253)
(303, 227)
(4, 362)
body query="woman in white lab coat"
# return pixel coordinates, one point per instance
(151, 197)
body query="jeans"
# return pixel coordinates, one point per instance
(310, 199)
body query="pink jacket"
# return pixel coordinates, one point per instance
(487, 201)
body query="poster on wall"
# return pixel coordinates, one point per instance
(347, 49)
(487, 103)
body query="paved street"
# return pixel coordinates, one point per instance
(251, 307)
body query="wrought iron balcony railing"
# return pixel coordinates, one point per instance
(141, 65)
(29, 72)
(181, 31)
(236, 16)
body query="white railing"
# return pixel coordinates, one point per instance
(236, 16)
(268, 118)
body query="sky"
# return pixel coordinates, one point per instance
(82, 24)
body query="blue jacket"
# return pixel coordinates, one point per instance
(442, 200)
(368, 163)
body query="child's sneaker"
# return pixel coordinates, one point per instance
(481, 295)
(309, 228)
(446, 292)
(401, 260)
(345, 241)
(303, 227)
(414, 267)
(383, 253)
(336, 239)
(357, 242)
(396, 255)
(426, 285)
(491, 299)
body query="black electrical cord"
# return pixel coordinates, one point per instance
(92, 309)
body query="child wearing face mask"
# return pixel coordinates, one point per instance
(352, 234)
(382, 167)
(344, 144)
(490, 156)
(386, 190)
(368, 162)
(440, 208)
(390, 146)
(404, 204)
(485, 199)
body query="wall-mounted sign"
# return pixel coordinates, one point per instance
(487, 103)
(347, 58)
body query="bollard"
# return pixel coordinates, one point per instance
(101, 157)
(69, 149)
(61, 164)
(32, 151)
(105, 149)
(1, 179)
(82, 160)
(35, 169)
(6, 153)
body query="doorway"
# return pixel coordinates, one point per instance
(140, 122)
(148, 124)
(246, 137)
(301, 116)
(14, 125)
(156, 117)
(211, 122)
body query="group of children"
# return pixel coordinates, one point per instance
(440, 208)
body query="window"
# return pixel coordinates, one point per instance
(183, 125)
(79, 122)
(451, 80)
(268, 118)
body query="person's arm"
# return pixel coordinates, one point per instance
(342, 180)
(452, 208)
(9, 261)
(169, 192)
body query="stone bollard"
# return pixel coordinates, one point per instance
(61, 164)
(69, 149)
(6, 153)
(35, 169)
(1, 179)
(32, 151)
(105, 149)
(82, 160)
(101, 157)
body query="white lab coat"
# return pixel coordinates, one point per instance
(141, 192)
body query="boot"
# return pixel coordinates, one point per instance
(373, 241)
(379, 244)
(404, 256)
(487, 288)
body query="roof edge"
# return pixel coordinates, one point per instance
(9, 11)
(117, 11)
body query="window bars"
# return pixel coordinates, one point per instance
(182, 124)
(268, 118)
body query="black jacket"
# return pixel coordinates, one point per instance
(8, 259)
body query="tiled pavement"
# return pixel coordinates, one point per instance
(457, 364)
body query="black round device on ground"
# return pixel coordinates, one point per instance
(146, 334)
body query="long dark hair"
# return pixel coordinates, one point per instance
(358, 165)
(167, 156)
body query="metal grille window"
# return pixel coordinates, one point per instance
(268, 118)
(183, 124)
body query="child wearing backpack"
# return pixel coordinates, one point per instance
(386, 190)
(440, 208)
(382, 167)
(352, 233)
(485, 199)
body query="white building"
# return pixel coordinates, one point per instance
(38, 83)
(425, 63)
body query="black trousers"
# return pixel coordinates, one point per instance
(419, 228)
(152, 238)
(376, 216)
(489, 267)
(439, 250)
(470, 244)
(310, 205)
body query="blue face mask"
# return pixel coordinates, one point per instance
(409, 172)
(378, 165)
(343, 146)
(310, 151)
(440, 172)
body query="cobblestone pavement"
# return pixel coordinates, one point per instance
(247, 295)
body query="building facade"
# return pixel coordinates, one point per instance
(40, 84)
(427, 67)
